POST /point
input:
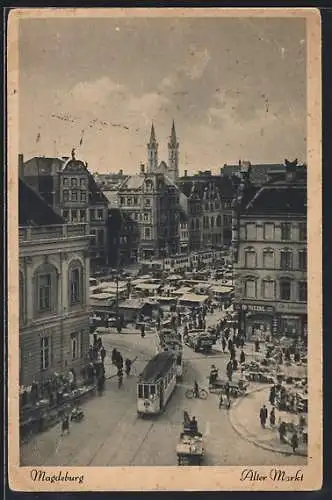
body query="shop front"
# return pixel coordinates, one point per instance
(292, 320)
(256, 320)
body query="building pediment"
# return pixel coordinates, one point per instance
(74, 167)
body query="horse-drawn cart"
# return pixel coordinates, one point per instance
(235, 388)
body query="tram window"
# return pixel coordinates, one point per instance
(152, 390)
(140, 391)
(145, 391)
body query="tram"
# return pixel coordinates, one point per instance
(156, 384)
(170, 341)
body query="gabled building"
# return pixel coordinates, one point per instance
(53, 293)
(270, 253)
(69, 188)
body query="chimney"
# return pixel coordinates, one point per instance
(121, 172)
(142, 168)
(86, 165)
(185, 173)
(21, 165)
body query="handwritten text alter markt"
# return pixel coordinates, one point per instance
(274, 475)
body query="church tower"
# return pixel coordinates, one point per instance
(152, 152)
(173, 156)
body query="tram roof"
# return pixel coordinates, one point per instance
(156, 368)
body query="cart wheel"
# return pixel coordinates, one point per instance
(189, 393)
(203, 394)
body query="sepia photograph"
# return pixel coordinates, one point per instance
(166, 312)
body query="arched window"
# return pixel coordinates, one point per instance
(75, 283)
(250, 258)
(46, 289)
(218, 221)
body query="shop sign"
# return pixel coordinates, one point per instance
(256, 308)
(292, 308)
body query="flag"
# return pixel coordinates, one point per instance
(81, 140)
(38, 137)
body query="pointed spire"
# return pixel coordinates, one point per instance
(152, 135)
(173, 135)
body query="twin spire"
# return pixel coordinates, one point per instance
(173, 153)
(173, 139)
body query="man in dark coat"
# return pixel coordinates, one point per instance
(242, 357)
(263, 416)
(223, 344)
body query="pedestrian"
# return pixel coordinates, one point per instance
(120, 378)
(282, 431)
(65, 425)
(230, 345)
(272, 417)
(257, 345)
(263, 416)
(272, 396)
(233, 353)
(294, 442)
(242, 357)
(142, 331)
(235, 364)
(221, 400)
(229, 370)
(223, 344)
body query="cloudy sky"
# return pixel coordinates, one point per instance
(236, 89)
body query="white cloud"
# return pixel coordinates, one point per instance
(196, 63)
(96, 92)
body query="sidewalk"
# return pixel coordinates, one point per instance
(244, 418)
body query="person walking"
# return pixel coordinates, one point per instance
(120, 378)
(65, 425)
(223, 344)
(142, 331)
(229, 370)
(272, 417)
(242, 357)
(294, 442)
(263, 416)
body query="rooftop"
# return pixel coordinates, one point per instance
(33, 209)
(157, 367)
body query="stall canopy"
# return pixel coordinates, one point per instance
(182, 291)
(193, 298)
(148, 286)
(222, 289)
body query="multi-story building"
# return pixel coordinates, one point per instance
(270, 254)
(259, 173)
(53, 291)
(110, 181)
(70, 189)
(124, 238)
(151, 199)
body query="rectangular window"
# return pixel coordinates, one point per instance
(147, 233)
(44, 353)
(250, 260)
(82, 181)
(135, 201)
(122, 201)
(99, 214)
(83, 195)
(302, 291)
(303, 260)
(140, 391)
(45, 292)
(65, 195)
(152, 389)
(66, 181)
(100, 237)
(147, 202)
(146, 217)
(74, 196)
(82, 215)
(285, 231)
(75, 286)
(145, 391)
(268, 231)
(92, 214)
(74, 216)
(81, 340)
(65, 215)
(129, 202)
(285, 290)
(250, 289)
(251, 232)
(286, 260)
(74, 182)
(268, 289)
(268, 259)
(303, 231)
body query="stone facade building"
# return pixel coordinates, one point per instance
(70, 189)
(270, 254)
(53, 291)
(123, 237)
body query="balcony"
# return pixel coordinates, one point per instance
(54, 232)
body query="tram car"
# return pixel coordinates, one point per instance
(156, 384)
(171, 342)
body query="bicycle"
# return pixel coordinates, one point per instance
(202, 394)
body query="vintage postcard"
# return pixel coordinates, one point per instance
(164, 258)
